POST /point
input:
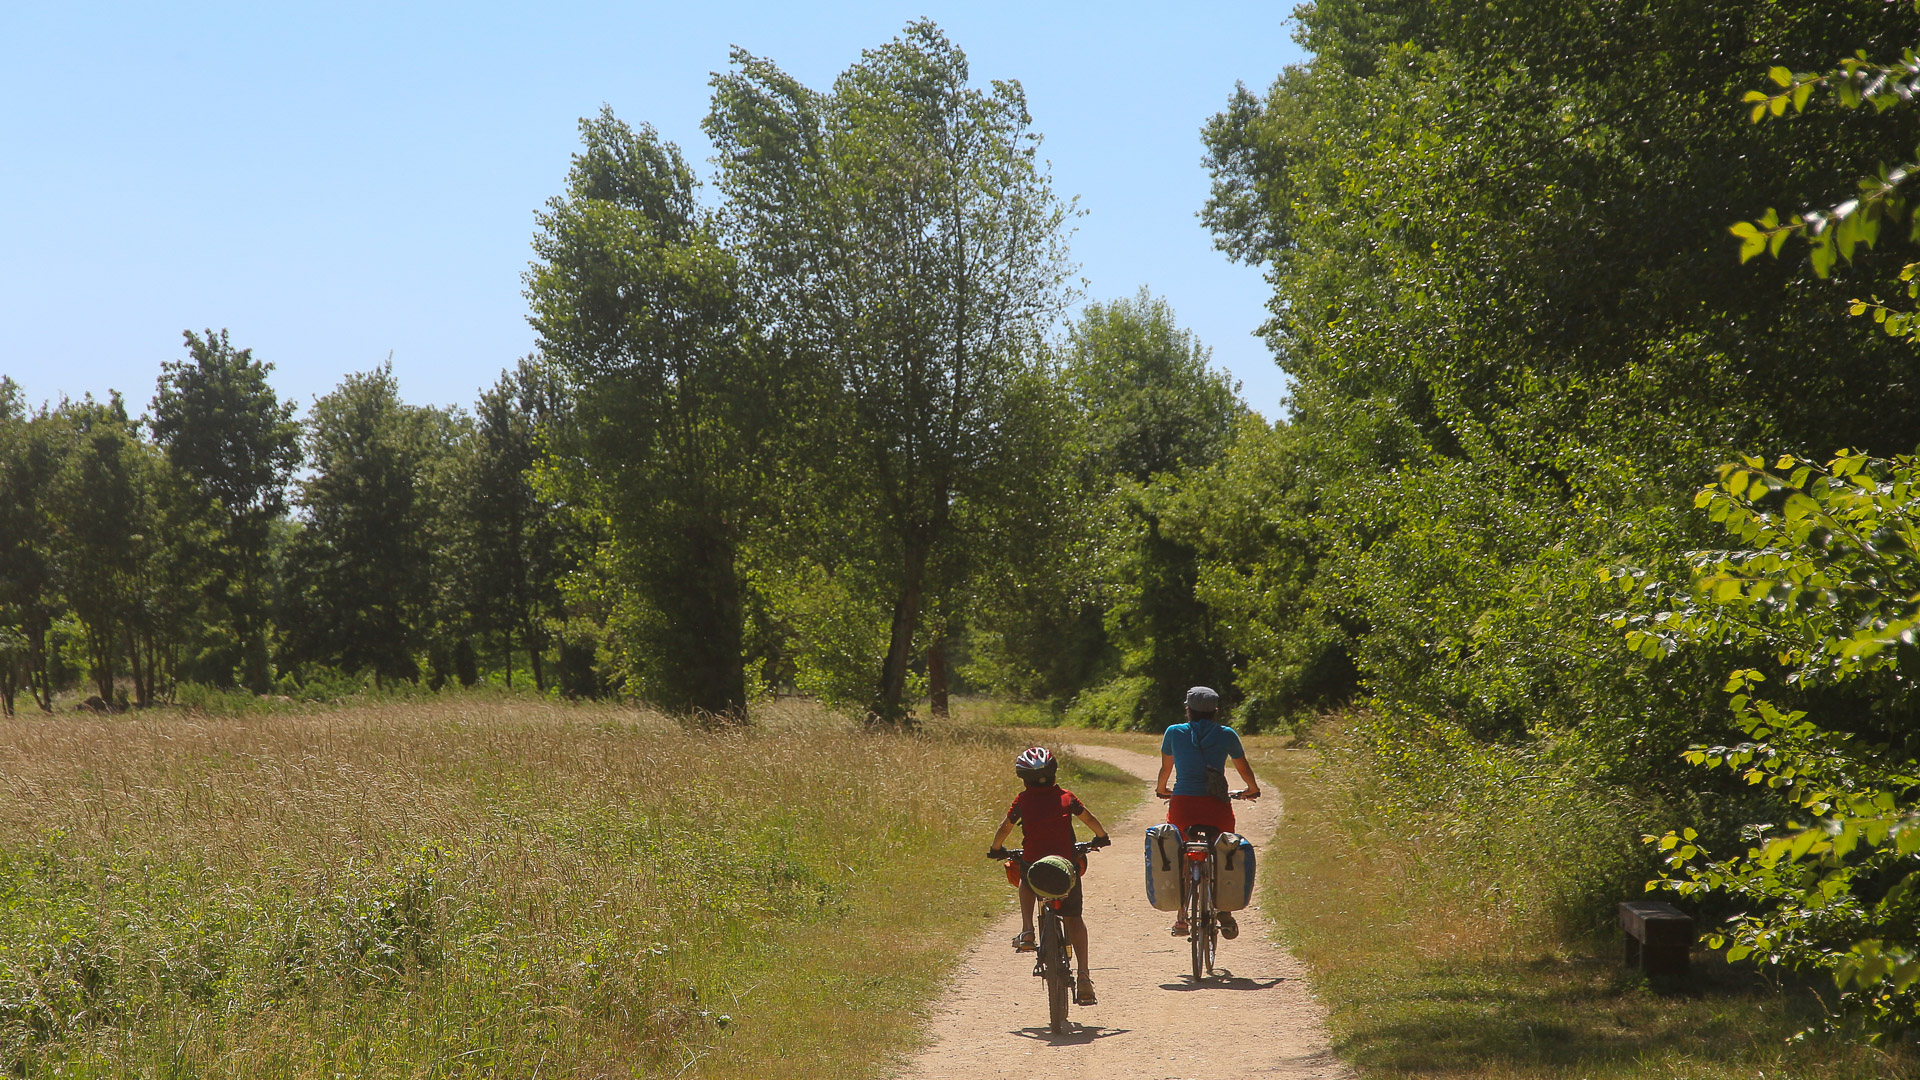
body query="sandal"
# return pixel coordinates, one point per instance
(1023, 942)
(1228, 928)
(1084, 995)
(1178, 929)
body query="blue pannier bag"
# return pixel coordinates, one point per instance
(1233, 872)
(1165, 857)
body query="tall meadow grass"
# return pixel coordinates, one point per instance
(482, 886)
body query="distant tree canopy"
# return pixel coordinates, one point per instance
(810, 436)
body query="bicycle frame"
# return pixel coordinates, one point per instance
(1202, 926)
(1054, 963)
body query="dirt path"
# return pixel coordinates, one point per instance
(1152, 1023)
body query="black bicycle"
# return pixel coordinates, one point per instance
(1055, 960)
(1203, 922)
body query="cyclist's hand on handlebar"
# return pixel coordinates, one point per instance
(998, 853)
(1247, 793)
(1100, 842)
(1162, 793)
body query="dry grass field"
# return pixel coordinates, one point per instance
(484, 887)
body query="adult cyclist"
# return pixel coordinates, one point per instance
(1189, 752)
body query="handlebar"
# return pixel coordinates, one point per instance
(1019, 854)
(1241, 794)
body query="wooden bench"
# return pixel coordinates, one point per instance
(1659, 936)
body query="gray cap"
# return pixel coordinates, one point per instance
(1202, 699)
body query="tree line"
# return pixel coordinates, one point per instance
(818, 433)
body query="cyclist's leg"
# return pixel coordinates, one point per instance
(1071, 907)
(1027, 900)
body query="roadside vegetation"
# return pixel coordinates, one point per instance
(1428, 968)
(487, 887)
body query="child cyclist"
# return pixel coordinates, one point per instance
(1045, 813)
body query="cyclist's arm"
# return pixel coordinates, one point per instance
(1245, 768)
(1093, 823)
(1166, 770)
(1000, 838)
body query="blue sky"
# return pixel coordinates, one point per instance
(336, 183)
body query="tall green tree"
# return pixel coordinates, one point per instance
(516, 544)
(1154, 412)
(101, 505)
(640, 310)
(1502, 288)
(227, 433)
(361, 567)
(904, 241)
(28, 602)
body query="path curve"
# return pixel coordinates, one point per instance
(1151, 1023)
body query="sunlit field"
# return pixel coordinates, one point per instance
(484, 886)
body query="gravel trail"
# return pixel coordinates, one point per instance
(1257, 1019)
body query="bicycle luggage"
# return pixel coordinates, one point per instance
(1052, 877)
(1233, 872)
(1165, 859)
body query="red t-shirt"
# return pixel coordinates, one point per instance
(1045, 816)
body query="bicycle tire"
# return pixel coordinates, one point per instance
(1202, 929)
(1055, 967)
(1196, 918)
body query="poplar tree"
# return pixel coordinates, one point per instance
(638, 308)
(904, 243)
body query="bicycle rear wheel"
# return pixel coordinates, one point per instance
(1201, 931)
(1056, 968)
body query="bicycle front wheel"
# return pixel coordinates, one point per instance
(1056, 968)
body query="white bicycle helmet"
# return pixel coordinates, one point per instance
(1036, 763)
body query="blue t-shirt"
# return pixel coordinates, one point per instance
(1217, 743)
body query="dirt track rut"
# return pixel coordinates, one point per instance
(1258, 1019)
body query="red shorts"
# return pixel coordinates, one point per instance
(1189, 810)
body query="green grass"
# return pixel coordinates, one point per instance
(1419, 983)
(480, 885)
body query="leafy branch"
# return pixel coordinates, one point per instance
(1826, 577)
(1837, 232)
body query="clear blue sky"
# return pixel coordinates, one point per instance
(334, 183)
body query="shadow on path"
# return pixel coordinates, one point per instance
(1079, 1036)
(1227, 981)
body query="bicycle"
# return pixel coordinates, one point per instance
(1055, 960)
(1203, 925)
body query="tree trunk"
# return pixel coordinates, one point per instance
(891, 708)
(937, 677)
(535, 640)
(507, 633)
(136, 667)
(101, 646)
(39, 677)
(256, 662)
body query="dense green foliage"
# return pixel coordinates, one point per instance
(1521, 341)
(1825, 582)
